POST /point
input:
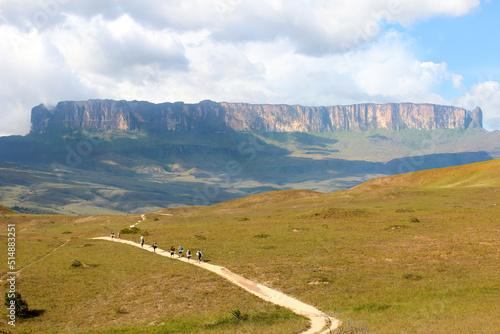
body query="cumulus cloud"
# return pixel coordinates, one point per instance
(487, 96)
(310, 52)
(117, 48)
(313, 26)
(33, 72)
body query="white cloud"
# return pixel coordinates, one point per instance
(117, 48)
(487, 96)
(314, 27)
(33, 72)
(310, 52)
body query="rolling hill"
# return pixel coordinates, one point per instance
(408, 253)
(4, 210)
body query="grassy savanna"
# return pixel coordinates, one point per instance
(413, 253)
(88, 286)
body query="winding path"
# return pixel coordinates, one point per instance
(320, 322)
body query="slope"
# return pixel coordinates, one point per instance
(414, 253)
(5, 211)
(482, 174)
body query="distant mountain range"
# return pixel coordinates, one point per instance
(104, 156)
(208, 115)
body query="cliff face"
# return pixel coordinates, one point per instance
(207, 115)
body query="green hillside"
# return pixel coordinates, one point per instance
(413, 253)
(5, 211)
(484, 174)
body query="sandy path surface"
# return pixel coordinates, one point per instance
(320, 322)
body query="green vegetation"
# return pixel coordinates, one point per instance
(4, 210)
(354, 254)
(131, 230)
(136, 172)
(20, 305)
(76, 264)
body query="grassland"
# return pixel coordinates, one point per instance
(4, 210)
(412, 253)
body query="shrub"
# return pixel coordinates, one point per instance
(76, 264)
(132, 230)
(262, 236)
(404, 210)
(237, 315)
(414, 220)
(119, 310)
(21, 306)
(413, 277)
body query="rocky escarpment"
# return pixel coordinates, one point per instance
(208, 115)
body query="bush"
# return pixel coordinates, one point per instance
(236, 315)
(119, 310)
(404, 210)
(413, 277)
(76, 264)
(132, 230)
(414, 220)
(21, 306)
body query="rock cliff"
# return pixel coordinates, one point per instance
(208, 115)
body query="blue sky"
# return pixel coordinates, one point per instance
(308, 52)
(469, 44)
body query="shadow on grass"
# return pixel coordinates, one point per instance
(30, 314)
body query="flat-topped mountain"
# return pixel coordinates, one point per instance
(208, 115)
(105, 156)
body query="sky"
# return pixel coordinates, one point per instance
(307, 52)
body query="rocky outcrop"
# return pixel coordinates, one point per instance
(212, 116)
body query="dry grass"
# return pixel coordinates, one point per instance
(384, 257)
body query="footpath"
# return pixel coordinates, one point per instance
(320, 322)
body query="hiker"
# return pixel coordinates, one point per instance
(118, 235)
(112, 235)
(188, 254)
(172, 251)
(199, 254)
(154, 246)
(180, 251)
(142, 240)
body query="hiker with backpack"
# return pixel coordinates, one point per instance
(188, 254)
(154, 246)
(180, 251)
(199, 254)
(142, 240)
(172, 251)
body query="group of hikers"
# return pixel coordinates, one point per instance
(172, 249)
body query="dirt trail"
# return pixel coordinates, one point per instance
(2, 279)
(320, 322)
